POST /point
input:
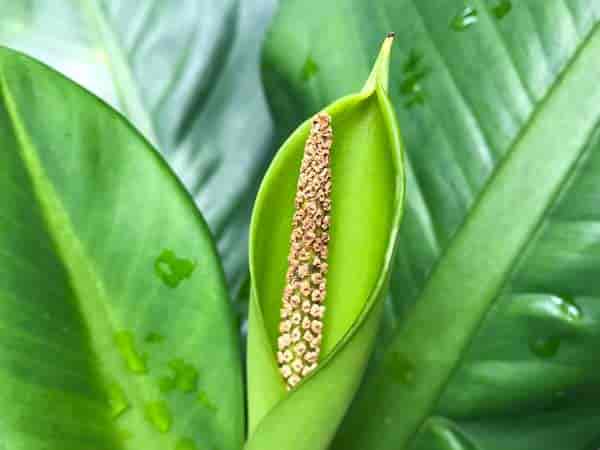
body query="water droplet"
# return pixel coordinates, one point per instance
(309, 69)
(438, 433)
(135, 361)
(186, 375)
(154, 338)
(186, 444)
(502, 8)
(568, 307)
(203, 399)
(464, 19)
(413, 73)
(166, 384)
(545, 347)
(401, 369)
(117, 400)
(159, 416)
(173, 270)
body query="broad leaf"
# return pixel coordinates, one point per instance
(492, 333)
(185, 72)
(116, 331)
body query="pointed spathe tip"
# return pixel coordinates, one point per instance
(380, 73)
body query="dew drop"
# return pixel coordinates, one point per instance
(135, 361)
(464, 19)
(159, 416)
(544, 347)
(568, 307)
(309, 69)
(502, 8)
(166, 384)
(203, 399)
(401, 369)
(184, 374)
(173, 270)
(154, 338)
(117, 400)
(438, 433)
(413, 73)
(185, 444)
(184, 377)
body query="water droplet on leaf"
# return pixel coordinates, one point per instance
(545, 347)
(401, 369)
(464, 19)
(309, 69)
(186, 375)
(173, 270)
(159, 416)
(117, 400)
(184, 378)
(204, 401)
(166, 384)
(154, 338)
(568, 307)
(413, 73)
(135, 361)
(502, 8)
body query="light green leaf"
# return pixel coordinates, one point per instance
(491, 337)
(110, 286)
(185, 72)
(368, 189)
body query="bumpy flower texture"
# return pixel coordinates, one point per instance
(302, 310)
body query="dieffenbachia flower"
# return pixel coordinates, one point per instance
(322, 239)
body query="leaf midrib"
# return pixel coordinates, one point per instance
(87, 284)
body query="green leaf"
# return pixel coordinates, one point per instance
(500, 243)
(185, 72)
(368, 190)
(89, 326)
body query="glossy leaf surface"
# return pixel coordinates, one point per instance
(185, 72)
(368, 189)
(115, 330)
(491, 334)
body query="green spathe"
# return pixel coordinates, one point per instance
(367, 198)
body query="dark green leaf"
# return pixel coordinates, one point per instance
(90, 327)
(496, 292)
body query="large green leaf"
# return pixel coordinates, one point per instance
(493, 329)
(115, 329)
(185, 72)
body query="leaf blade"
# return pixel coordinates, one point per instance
(93, 283)
(176, 69)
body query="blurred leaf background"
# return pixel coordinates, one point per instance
(185, 73)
